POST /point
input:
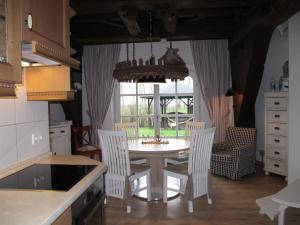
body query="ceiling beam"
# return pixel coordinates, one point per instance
(130, 21)
(180, 35)
(169, 21)
(270, 13)
(107, 6)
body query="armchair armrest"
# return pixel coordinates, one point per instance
(221, 146)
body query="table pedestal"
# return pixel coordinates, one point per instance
(156, 165)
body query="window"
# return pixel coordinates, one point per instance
(162, 107)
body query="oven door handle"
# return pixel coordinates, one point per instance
(91, 208)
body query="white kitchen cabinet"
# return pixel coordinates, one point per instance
(276, 133)
(60, 138)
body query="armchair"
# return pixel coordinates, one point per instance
(235, 157)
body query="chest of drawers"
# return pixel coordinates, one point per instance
(276, 133)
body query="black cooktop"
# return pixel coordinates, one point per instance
(46, 177)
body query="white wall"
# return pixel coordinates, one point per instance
(142, 50)
(294, 98)
(19, 120)
(278, 53)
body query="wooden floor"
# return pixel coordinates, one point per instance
(233, 204)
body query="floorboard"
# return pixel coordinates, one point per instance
(233, 204)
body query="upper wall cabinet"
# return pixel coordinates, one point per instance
(46, 31)
(47, 22)
(10, 47)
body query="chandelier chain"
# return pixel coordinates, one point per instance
(133, 49)
(127, 52)
(150, 32)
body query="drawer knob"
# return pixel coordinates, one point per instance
(276, 116)
(276, 140)
(276, 128)
(62, 131)
(276, 165)
(277, 153)
(276, 103)
(51, 132)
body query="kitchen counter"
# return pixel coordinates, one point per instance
(43, 207)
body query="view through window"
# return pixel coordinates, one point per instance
(171, 102)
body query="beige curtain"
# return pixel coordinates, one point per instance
(98, 64)
(212, 65)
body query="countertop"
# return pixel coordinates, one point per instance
(60, 124)
(40, 207)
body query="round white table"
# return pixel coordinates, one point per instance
(155, 154)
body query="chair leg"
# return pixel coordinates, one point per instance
(209, 200)
(181, 184)
(165, 188)
(128, 209)
(190, 207)
(148, 187)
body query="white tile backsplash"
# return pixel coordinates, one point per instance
(29, 111)
(19, 119)
(32, 139)
(7, 112)
(8, 146)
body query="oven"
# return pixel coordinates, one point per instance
(88, 209)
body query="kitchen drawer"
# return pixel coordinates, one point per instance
(276, 166)
(277, 116)
(277, 141)
(277, 153)
(277, 129)
(59, 131)
(276, 102)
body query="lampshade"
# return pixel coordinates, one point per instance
(169, 66)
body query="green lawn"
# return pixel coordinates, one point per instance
(163, 132)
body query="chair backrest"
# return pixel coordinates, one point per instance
(130, 128)
(191, 125)
(114, 147)
(82, 135)
(199, 159)
(236, 136)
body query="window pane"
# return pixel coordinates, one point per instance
(128, 105)
(167, 88)
(146, 105)
(168, 126)
(146, 127)
(185, 86)
(185, 104)
(128, 119)
(181, 125)
(127, 88)
(144, 88)
(167, 104)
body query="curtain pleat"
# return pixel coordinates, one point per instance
(98, 64)
(212, 65)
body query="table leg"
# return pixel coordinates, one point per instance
(282, 209)
(156, 165)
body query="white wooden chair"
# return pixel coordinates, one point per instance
(183, 158)
(120, 174)
(131, 130)
(196, 174)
